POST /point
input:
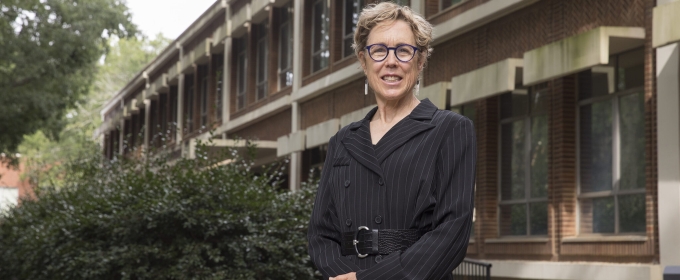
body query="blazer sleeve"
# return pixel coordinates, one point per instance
(441, 250)
(324, 232)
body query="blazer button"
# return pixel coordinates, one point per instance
(378, 258)
(380, 182)
(348, 222)
(346, 183)
(378, 219)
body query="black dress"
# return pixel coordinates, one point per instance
(420, 175)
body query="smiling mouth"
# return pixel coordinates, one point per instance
(391, 78)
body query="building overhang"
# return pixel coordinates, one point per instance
(320, 133)
(218, 37)
(160, 85)
(666, 24)
(240, 20)
(487, 81)
(201, 53)
(354, 116)
(579, 52)
(438, 93)
(291, 143)
(173, 73)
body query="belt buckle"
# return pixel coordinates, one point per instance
(356, 241)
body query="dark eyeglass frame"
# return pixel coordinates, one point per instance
(394, 49)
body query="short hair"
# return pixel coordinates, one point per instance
(374, 14)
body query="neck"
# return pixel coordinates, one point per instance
(391, 111)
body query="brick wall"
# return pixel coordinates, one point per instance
(266, 129)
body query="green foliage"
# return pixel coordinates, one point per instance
(137, 219)
(48, 55)
(43, 156)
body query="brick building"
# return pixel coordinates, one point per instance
(575, 104)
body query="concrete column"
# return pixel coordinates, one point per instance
(298, 7)
(668, 147)
(121, 137)
(226, 82)
(147, 124)
(295, 157)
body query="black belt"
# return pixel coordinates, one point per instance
(365, 241)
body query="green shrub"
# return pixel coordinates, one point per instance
(131, 219)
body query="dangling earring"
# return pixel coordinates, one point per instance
(417, 89)
(366, 87)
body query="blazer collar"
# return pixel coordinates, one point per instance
(359, 145)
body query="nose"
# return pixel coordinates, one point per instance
(391, 60)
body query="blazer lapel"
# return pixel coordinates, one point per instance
(359, 146)
(415, 123)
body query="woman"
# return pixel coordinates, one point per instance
(396, 192)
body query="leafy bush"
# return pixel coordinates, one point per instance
(135, 219)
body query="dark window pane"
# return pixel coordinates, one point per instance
(538, 214)
(514, 105)
(513, 160)
(540, 99)
(632, 213)
(469, 111)
(596, 146)
(603, 215)
(631, 69)
(603, 80)
(632, 124)
(513, 219)
(539, 156)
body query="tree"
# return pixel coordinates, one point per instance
(48, 55)
(45, 157)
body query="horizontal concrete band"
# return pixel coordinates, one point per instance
(319, 134)
(291, 143)
(573, 270)
(579, 52)
(437, 93)
(487, 81)
(666, 24)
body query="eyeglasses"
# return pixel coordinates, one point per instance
(379, 52)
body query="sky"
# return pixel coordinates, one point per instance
(170, 17)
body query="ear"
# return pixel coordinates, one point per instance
(362, 60)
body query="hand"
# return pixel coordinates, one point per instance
(348, 276)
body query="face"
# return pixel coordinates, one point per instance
(391, 79)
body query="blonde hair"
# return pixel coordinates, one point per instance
(374, 14)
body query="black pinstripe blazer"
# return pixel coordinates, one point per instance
(420, 175)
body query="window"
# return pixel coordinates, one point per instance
(163, 119)
(524, 162)
(612, 146)
(262, 60)
(351, 10)
(286, 47)
(241, 75)
(189, 104)
(448, 3)
(320, 35)
(219, 78)
(203, 70)
(172, 126)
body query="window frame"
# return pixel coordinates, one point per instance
(615, 192)
(325, 29)
(261, 83)
(204, 95)
(288, 26)
(527, 200)
(349, 35)
(241, 74)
